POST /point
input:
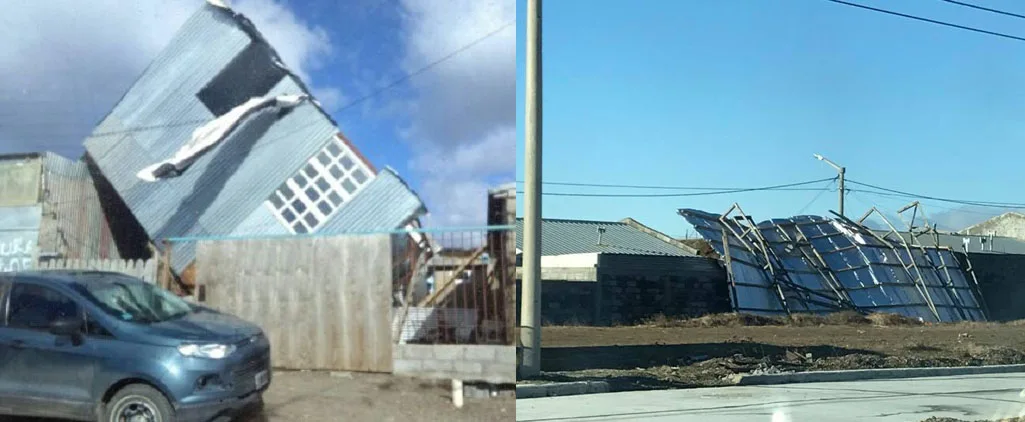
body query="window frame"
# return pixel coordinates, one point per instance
(79, 309)
(5, 292)
(300, 182)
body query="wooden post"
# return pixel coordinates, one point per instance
(167, 274)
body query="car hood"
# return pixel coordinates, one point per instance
(204, 326)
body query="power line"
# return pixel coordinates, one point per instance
(932, 205)
(678, 195)
(658, 187)
(919, 18)
(816, 198)
(955, 201)
(358, 101)
(984, 8)
(959, 202)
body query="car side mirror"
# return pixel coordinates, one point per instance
(67, 326)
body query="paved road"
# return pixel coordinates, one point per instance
(968, 397)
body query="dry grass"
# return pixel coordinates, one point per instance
(846, 318)
(921, 347)
(713, 320)
(884, 319)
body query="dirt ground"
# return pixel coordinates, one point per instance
(708, 351)
(319, 396)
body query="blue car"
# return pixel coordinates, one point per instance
(99, 346)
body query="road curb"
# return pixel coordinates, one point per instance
(870, 374)
(532, 391)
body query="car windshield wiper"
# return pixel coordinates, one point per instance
(177, 315)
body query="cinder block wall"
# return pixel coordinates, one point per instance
(630, 288)
(637, 287)
(1002, 282)
(565, 302)
(481, 363)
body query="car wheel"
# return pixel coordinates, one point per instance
(138, 402)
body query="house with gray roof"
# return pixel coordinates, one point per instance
(610, 272)
(577, 243)
(219, 138)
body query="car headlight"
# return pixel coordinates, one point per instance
(210, 351)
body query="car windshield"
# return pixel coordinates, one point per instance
(134, 300)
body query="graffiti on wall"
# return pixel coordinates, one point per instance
(17, 252)
(19, 234)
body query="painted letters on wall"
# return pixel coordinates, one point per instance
(19, 232)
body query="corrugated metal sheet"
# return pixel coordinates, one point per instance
(223, 191)
(73, 224)
(19, 232)
(386, 203)
(815, 264)
(561, 237)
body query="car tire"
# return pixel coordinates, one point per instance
(138, 399)
(254, 409)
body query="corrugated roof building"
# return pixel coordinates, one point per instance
(50, 209)
(564, 237)
(276, 173)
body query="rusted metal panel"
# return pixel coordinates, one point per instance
(73, 225)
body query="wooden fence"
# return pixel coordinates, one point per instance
(146, 270)
(324, 303)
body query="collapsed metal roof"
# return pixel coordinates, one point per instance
(818, 265)
(216, 62)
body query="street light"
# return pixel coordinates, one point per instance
(840, 169)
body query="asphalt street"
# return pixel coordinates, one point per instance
(973, 397)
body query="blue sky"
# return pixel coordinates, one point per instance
(742, 93)
(449, 131)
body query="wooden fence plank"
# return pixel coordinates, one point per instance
(143, 269)
(325, 303)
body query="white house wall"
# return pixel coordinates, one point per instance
(578, 260)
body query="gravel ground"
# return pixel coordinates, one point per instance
(707, 351)
(313, 396)
(319, 396)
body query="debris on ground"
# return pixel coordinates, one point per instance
(713, 350)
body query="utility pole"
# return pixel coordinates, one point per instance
(842, 171)
(530, 289)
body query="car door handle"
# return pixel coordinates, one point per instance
(18, 344)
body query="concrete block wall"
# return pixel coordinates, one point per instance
(1002, 282)
(480, 363)
(635, 288)
(631, 288)
(566, 302)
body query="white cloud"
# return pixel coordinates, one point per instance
(65, 63)
(302, 47)
(463, 120)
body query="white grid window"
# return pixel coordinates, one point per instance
(311, 197)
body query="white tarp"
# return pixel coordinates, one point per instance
(207, 136)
